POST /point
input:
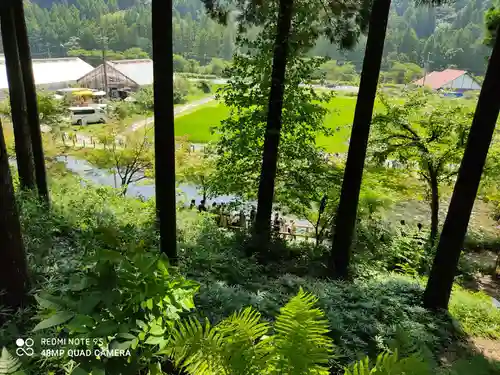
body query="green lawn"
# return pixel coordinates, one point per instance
(196, 124)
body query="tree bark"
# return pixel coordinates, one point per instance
(265, 198)
(13, 272)
(345, 220)
(434, 208)
(438, 290)
(164, 126)
(31, 101)
(24, 153)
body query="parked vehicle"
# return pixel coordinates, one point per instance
(87, 115)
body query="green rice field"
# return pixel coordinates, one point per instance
(197, 123)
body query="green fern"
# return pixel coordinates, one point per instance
(9, 365)
(390, 364)
(301, 342)
(239, 345)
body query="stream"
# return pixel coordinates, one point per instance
(187, 192)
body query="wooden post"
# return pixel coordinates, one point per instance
(31, 100)
(24, 153)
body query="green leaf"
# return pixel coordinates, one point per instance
(155, 340)
(115, 344)
(156, 330)
(54, 320)
(106, 328)
(128, 336)
(149, 304)
(79, 371)
(81, 324)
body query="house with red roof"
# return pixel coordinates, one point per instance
(449, 79)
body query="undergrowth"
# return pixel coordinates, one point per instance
(380, 310)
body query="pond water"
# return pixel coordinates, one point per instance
(186, 193)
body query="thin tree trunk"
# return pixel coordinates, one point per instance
(31, 101)
(345, 220)
(24, 154)
(13, 272)
(272, 137)
(438, 290)
(434, 208)
(164, 126)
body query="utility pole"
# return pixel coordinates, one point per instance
(104, 65)
(426, 67)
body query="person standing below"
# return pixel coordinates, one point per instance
(193, 204)
(223, 217)
(253, 213)
(276, 225)
(293, 230)
(202, 207)
(243, 219)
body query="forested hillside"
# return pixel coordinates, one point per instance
(449, 35)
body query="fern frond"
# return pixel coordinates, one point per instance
(390, 364)
(8, 364)
(196, 348)
(301, 344)
(244, 351)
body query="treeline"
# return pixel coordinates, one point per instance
(445, 36)
(441, 37)
(56, 28)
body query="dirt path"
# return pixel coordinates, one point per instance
(177, 111)
(86, 141)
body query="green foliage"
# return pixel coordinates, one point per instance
(240, 344)
(9, 365)
(427, 138)
(125, 301)
(76, 28)
(341, 73)
(132, 159)
(476, 313)
(302, 171)
(492, 22)
(364, 317)
(390, 364)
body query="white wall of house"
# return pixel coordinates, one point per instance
(464, 82)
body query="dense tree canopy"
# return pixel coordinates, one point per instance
(449, 35)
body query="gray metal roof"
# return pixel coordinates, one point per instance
(47, 71)
(139, 71)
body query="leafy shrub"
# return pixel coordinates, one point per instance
(475, 312)
(120, 301)
(364, 317)
(240, 344)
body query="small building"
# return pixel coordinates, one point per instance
(50, 74)
(122, 75)
(449, 79)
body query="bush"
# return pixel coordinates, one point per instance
(476, 313)
(364, 317)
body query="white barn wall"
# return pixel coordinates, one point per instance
(464, 82)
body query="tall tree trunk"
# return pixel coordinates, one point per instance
(438, 290)
(164, 126)
(31, 101)
(24, 154)
(272, 138)
(434, 208)
(345, 220)
(13, 273)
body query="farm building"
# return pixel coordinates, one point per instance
(50, 74)
(121, 74)
(449, 79)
